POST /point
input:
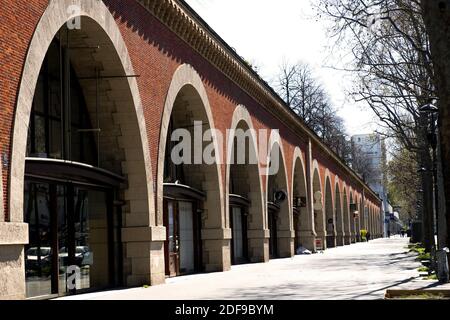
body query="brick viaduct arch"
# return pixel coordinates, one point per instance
(347, 218)
(278, 181)
(187, 95)
(193, 88)
(330, 216)
(340, 230)
(319, 204)
(251, 171)
(304, 230)
(140, 217)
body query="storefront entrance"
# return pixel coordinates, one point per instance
(239, 225)
(296, 212)
(182, 218)
(273, 241)
(181, 237)
(74, 238)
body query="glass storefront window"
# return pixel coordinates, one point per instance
(38, 252)
(91, 238)
(73, 222)
(84, 228)
(48, 115)
(63, 237)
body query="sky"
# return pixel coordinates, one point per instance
(266, 34)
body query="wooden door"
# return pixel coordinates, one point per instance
(296, 229)
(171, 247)
(273, 245)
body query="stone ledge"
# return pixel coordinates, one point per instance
(13, 233)
(143, 234)
(306, 233)
(286, 234)
(216, 234)
(258, 234)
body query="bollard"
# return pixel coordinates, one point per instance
(442, 265)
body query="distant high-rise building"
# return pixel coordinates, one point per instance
(370, 150)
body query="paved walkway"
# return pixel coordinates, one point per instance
(359, 271)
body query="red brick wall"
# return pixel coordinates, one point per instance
(18, 19)
(155, 53)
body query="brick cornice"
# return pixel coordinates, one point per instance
(187, 25)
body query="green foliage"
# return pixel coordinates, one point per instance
(431, 277)
(417, 248)
(403, 181)
(423, 269)
(423, 296)
(363, 234)
(424, 256)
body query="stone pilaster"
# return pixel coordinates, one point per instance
(285, 243)
(216, 249)
(258, 244)
(13, 237)
(144, 255)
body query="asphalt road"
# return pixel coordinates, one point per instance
(358, 271)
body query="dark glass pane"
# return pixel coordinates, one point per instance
(55, 139)
(39, 137)
(29, 141)
(76, 145)
(39, 100)
(91, 238)
(76, 100)
(63, 237)
(88, 152)
(38, 252)
(55, 99)
(47, 109)
(54, 83)
(53, 66)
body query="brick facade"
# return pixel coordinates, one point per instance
(156, 53)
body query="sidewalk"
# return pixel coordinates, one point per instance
(359, 271)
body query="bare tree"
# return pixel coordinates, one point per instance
(436, 15)
(391, 60)
(403, 182)
(299, 88)
(393, 72)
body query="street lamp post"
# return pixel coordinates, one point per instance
(432, 110)
(440, 261)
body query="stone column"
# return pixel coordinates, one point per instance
(285, 243)
(216, 249)
(340, 232)
(216, 237)
(13, 237)
(258, 243)
(144, 255)
(307, 234)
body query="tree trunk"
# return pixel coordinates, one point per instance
(442, 228)
(436, 15)
(427, 201)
